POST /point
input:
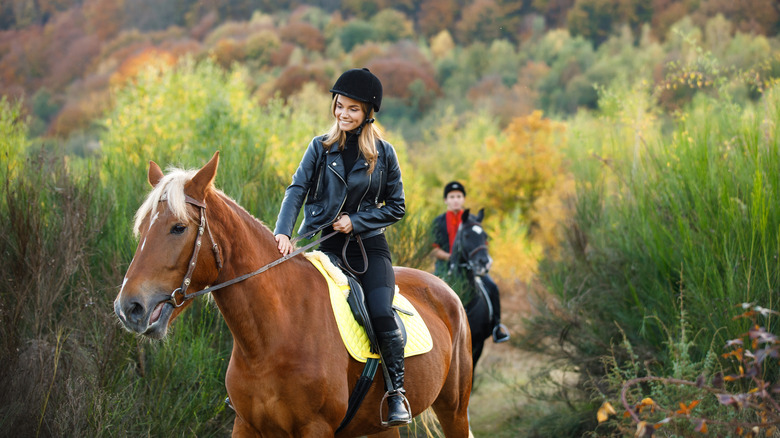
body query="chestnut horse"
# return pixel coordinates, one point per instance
(289, 372)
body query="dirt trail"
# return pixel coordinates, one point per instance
(496, 399)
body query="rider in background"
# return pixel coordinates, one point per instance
(351, 182)
(445, 227)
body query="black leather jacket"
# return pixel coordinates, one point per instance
(321, 181)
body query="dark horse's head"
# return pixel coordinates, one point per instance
(469, 249)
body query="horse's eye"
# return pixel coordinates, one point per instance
(178, 229)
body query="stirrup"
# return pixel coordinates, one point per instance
(228, 403)
(497, 338)
(394, 393)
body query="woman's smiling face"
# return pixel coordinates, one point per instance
(348, 112)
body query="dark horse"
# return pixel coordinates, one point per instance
(289, 373)
(469, 264)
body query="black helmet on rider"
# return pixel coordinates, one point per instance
(359, 84)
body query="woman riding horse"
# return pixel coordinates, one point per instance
(350, 179)
(289, 374)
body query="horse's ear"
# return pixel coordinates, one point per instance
(204, 178)
(481, 215)
(155, 174)
(466, 215)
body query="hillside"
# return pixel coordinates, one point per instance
(504, 57)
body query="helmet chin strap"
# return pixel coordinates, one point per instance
(360, 129)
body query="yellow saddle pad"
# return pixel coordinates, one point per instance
(354, 336)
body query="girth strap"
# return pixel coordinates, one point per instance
(359, 392)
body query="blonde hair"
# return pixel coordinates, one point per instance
(368, 136)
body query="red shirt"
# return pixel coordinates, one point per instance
(453, 219)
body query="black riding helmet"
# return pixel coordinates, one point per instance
(359, 84)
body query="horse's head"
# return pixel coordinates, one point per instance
(469, 249)
(170, 256)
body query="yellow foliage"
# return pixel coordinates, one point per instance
(514, 255)
(516, 171)
(442, 44)
(521, 179)
(605, 411)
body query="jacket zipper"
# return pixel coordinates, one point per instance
(319, 180)
(343, 201)
(379, 190)
(365, 193)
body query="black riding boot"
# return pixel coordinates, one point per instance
(392, 346)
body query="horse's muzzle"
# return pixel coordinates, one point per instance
(148, 319)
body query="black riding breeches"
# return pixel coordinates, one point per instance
(379, 285)
(378, 281)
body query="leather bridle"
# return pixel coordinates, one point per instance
(179, 296)
(466, 257)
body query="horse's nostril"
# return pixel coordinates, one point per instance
(134, 311)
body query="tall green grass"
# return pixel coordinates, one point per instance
(668, 211)
(70, 369)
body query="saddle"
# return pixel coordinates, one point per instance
(349, 308)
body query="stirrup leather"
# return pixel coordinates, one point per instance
(395, 392)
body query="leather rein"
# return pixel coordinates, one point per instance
(179, 296)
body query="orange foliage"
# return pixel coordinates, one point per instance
(72, 117)
(503, 102)
(749, 16)
(148, 57)
(398, 73)
(227, 51)
(281, 56)
(365, 53)
(104, 16)
(666, 13)
(480, 21)
(292, 79)
(304, 35)
(436, 15)
(521, 168)
(72, 63)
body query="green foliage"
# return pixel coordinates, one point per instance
(13, 137)
(391, 25)
(688, 213)
(356, 32)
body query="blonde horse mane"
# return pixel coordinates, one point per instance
(171, 189)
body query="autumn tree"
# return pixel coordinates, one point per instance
(304, 35)
(750, 16)
(260, 47)
(555, 11)
(480, 21)
(362, 8)
(294, 77)
(596, 19)
(356, 32)
(409, 81)
(436, 16)
(522, 167)
(391, 25)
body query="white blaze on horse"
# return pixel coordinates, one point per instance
(289, 372)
